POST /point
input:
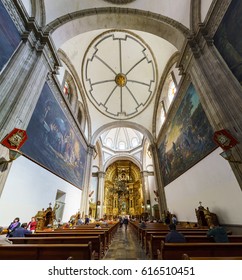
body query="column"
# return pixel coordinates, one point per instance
(84, 207)
(100, 196)
(159, 181)
(146, 192)
(219, 91)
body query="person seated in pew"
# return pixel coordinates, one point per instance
(218, 233)
(97, 226)
(174, 236)
(142, 224)
(32, 224)
(21, 231)
(80, 222)
(13, 226)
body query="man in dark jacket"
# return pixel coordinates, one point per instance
(21, 231)
(218, 233)
(174, 236)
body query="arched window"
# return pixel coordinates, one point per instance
(162, 113)
(171, 91)
(67, 90)
(135, 142)
(79, 116)
(121, 145)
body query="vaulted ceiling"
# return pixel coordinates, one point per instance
(119, 50)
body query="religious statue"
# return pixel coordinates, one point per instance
(205, 217)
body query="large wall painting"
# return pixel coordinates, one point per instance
(52, 141)
(9, 36)
(188, 138)
(228, 39)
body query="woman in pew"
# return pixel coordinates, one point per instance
(218, 233)
(32, 224)
(13, 226)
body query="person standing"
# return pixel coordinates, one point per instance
(125, 222)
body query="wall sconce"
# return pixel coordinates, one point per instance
(13, 154)
(229, 157)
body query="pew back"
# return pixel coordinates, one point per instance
(46, 252)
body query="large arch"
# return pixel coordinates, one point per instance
(73, 24)
(122, 157)
(115, 124)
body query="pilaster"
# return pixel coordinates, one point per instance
(100, 197)
(23, 77)
(84, 207)
(159, 182)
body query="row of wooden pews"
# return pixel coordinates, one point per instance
(156, 247)
(176, 251)
(198, 245)
(82, 243)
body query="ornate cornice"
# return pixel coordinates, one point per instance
(119, 2)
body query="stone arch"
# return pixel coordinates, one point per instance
(84, 111)
(38, 11)
(123, 157)
(170, 63)
(115, 124)
(70, 25)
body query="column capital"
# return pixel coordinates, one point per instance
(101, 174)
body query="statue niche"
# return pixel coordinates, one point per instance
(205, 218)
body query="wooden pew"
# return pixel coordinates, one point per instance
(175, 251)
(95, 240)
(155, 241)
(147, 234)
(102, 234)
(186, 257)
(46, 252)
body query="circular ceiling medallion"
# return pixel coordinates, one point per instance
(119, 1)
(119, 74)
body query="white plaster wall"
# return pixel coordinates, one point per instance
(212, 182)
(179, 11)
(205, 5)
(28, 6)
(29, 188)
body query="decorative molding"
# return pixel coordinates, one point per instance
(55, 24)
(121, 77)
(119, 2)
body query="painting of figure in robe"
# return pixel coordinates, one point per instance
(53, 142)
(188, 139)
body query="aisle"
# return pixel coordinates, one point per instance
(125, 246)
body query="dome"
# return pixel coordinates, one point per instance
(122, 139)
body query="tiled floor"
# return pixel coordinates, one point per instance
(125, 246)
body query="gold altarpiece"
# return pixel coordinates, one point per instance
(123, 190)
